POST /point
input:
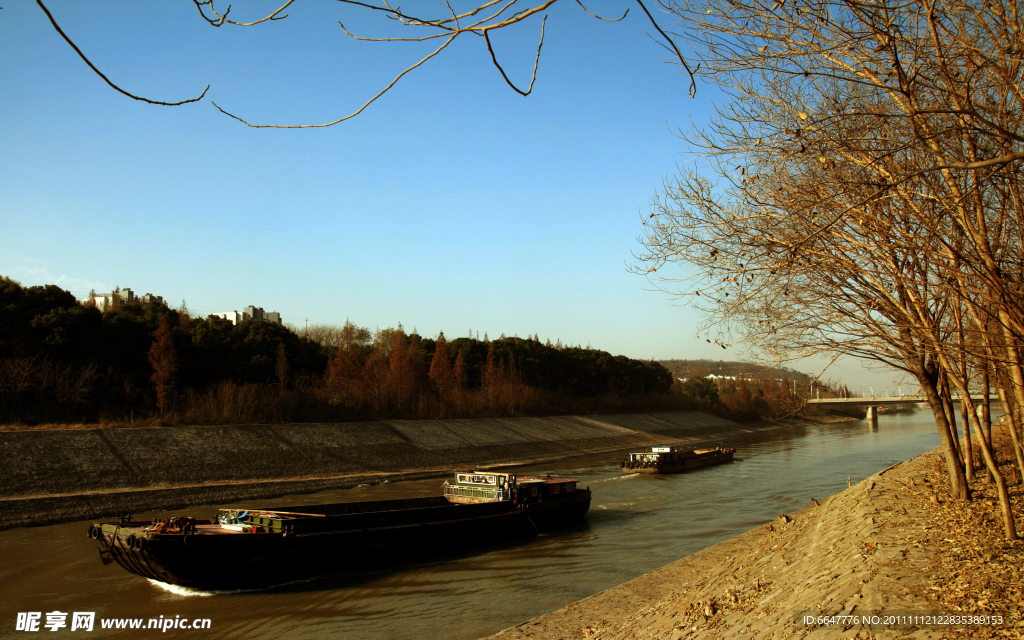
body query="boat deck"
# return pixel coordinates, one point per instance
(218, 529)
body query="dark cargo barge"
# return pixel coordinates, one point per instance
(671, 460)
(255, 548)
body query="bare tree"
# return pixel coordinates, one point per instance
(328, 336)
(846, 218)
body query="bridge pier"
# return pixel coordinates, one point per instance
(872, 414)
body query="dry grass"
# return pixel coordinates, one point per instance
(102, 424)
(981, 572)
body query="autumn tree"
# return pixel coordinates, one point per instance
(459, 372)
(400, 381)
(441, 374)
(417, 364)
(460, 379)
(164, 360)
(374, 381)
(512, 387)
(491, 378)
(344, 373)
(343, 376)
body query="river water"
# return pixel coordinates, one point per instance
(636, 524)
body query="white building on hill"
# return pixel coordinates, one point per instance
(120, 297)
(250, 313)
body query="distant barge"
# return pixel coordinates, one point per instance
(671, 460)
(255, 548)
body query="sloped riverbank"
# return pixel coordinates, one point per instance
(887, 545)
(64, 475)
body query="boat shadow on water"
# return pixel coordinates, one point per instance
(610, 516)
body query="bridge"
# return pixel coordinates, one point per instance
(872, 400)
(873, 403)
(881, 400)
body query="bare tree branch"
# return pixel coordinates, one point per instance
(349, 116)
(982, 164)
(679, 55)
(536, 60)
(105, 78)
(625, 13)
(480, 20)
(222, 19)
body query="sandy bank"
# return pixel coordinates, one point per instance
(876, 547)
(63, 475)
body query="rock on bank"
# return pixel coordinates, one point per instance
(73, 474)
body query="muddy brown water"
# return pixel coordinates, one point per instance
(637, 523)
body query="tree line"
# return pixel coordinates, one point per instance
(62, 361)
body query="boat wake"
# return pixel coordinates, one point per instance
(623, 477)
(190, 592)
(615, 505)
(179, 590)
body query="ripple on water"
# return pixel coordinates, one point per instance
(636, 524)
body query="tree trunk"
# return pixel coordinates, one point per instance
(966, 408)
(957, 480)
(966, 404)
(1013, 423)
(986, 420)
(1009, 528)
(1017, 384)
(950, 411)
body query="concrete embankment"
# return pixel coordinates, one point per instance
(870, 549)
(62, 475)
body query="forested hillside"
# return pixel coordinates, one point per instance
(732, 368)
(743, 390)
(62, 361)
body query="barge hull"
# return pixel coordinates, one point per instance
(684, 464)
(347, 538)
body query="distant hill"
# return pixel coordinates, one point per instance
(702, 368)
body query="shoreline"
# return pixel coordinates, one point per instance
(79, 474)
(883, 545)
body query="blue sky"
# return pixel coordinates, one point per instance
(452, 203)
